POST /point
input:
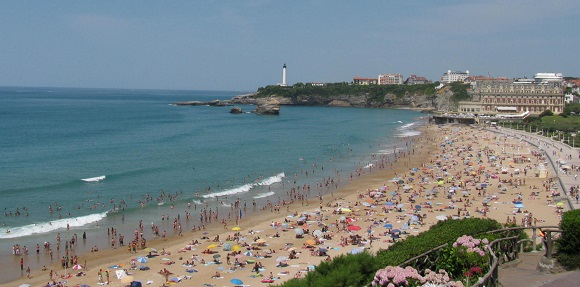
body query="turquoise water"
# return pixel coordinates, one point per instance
(51, 138)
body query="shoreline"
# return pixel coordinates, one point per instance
(422, 153)
(172, 234)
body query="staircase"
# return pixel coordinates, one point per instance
(522, 273)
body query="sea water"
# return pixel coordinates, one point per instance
(144, 146)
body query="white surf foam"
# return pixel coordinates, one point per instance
(407, 130)
(273, 179)
(265, 194)
(45, 227)
(239, 189)
(94, 179)
(247, 187)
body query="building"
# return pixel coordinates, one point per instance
(390, 79)
(364, 81)
(548, 77)
(519, 95)
(415, 80)
(452, 76)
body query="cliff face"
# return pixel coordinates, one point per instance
(440, 101)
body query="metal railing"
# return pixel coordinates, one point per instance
(501, 250)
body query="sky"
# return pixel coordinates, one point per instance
(242, 45)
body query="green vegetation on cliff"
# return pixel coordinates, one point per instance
(376, 92)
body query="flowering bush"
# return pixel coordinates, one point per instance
(465, 258)
(394, 276)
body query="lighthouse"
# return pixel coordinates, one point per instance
(284, 84)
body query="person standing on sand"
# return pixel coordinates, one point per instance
(21, 264)
(28, 272)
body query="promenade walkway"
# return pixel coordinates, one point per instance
(524, 274)
(556, 151)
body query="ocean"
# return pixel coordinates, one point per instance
(143, 158)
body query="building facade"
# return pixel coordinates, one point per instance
(452, 76)
(521, 95)
(415, 80)
(364, 81)
(390, 79)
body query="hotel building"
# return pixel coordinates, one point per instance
(544, 92)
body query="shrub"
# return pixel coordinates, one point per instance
(443, 232)
(465, 258)
(568, 245)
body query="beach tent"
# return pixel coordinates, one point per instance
(122, 274)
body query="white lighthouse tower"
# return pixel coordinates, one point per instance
(284, 84)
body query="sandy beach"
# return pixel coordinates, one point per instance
(449, 172)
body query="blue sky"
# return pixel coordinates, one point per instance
(242, 45)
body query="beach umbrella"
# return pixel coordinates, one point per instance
(310, 242)
(299, 231)
(237, 228)
(395, 231)
(236, 248)
(323, 250)
(284, 225)
(441, 182)
(236, 281)
(211, 246)
(141, 259)
(401, 181)
(318, 233)
(389, 203)
(388, 225)
(281, 258)
(519, 205)
(415, 218)
(560, 204)
(366, 204)
(227, 246)
(342, 219)
(77, 267)
(354, 227)
(400, 205)
(248, 253)
(417, 206)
